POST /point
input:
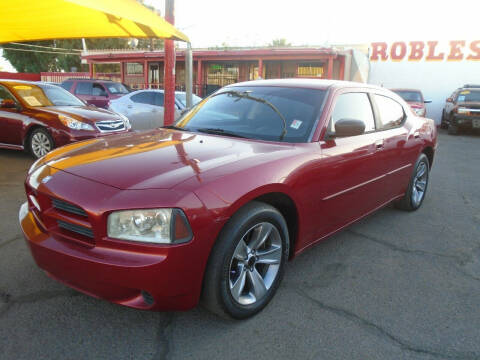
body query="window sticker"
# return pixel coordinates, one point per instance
(461, 98)
(296, 124)
(465, 92)
(32, 101)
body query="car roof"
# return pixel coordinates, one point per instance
(321, 84)
(406, 89)
(155, 90)
(96, 80)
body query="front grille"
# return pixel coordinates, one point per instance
(75, 228)
(67, 207)
(110, 125)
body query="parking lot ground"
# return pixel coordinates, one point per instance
(396, 285)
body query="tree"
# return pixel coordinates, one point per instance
(279, 43)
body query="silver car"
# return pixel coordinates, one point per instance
(144, 108)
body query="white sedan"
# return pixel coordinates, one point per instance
(144, 108)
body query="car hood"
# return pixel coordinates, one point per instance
(156, 159)
(86, 113)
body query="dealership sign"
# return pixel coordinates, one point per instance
(456, 50)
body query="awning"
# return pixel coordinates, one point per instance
(22, 20)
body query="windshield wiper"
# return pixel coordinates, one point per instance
(216, 131)
(246, 95)
(174, 127)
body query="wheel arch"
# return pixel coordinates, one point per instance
(428, 151)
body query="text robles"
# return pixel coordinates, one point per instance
(456, 50)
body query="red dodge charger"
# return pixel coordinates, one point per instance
(213, 207)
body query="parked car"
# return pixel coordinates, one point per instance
(462, 110)
(95, 92)
(38, 117)
(215, 205)
(415, 99)
(144, 108)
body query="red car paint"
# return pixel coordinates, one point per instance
(94, 92)
(330, 183)
(17, 124)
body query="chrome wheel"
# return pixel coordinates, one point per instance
(419, 184)
(255, 263)
(40, 144)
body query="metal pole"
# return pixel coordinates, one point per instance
(189, 75)
(169, 68)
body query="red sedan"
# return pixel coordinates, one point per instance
(213, 207)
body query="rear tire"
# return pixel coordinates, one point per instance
(247, 262)
(40, 142)
(417, 187)
(443, 123)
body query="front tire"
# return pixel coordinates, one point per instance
(40, 142)
(443, 123)
(247, 262)
(417, 187)
(452, 129)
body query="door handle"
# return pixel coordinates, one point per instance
(379, 144)
(129, 106)
(416, 134)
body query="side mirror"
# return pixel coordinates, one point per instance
(427, 101)
(450, 100)
(184, 111)
(8, 104)
(349, 127)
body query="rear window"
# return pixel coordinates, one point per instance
(144, 97)
(410, 96)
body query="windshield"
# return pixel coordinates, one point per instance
(182, 97)
(410, 96)
(469, 96)
(46, 95)
(258, 113)
(116, 88)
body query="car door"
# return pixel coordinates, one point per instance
(11, 120)
(400, 144)
(449, 105)
(140, 110)
(83, 90)
(349, 174)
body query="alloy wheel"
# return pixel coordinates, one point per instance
(420, 183)
(255, 263)
(40, 144)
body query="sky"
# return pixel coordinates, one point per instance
(211, 23)
(306, 22)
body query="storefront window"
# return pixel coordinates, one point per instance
(314, 69)
(134, 69)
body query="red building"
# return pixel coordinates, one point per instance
(216, 68)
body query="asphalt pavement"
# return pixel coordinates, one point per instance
(396, 285)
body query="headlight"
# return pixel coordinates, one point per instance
(419, 111)
(74, 124)
(462, 111)
(125, 121)
(161, 226)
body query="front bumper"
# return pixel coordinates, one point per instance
(67, 137)
(465, 121)
(142, 279)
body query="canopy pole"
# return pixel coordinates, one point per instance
(189, 74)
(169, 68)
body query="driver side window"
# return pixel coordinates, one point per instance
(354, 106)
